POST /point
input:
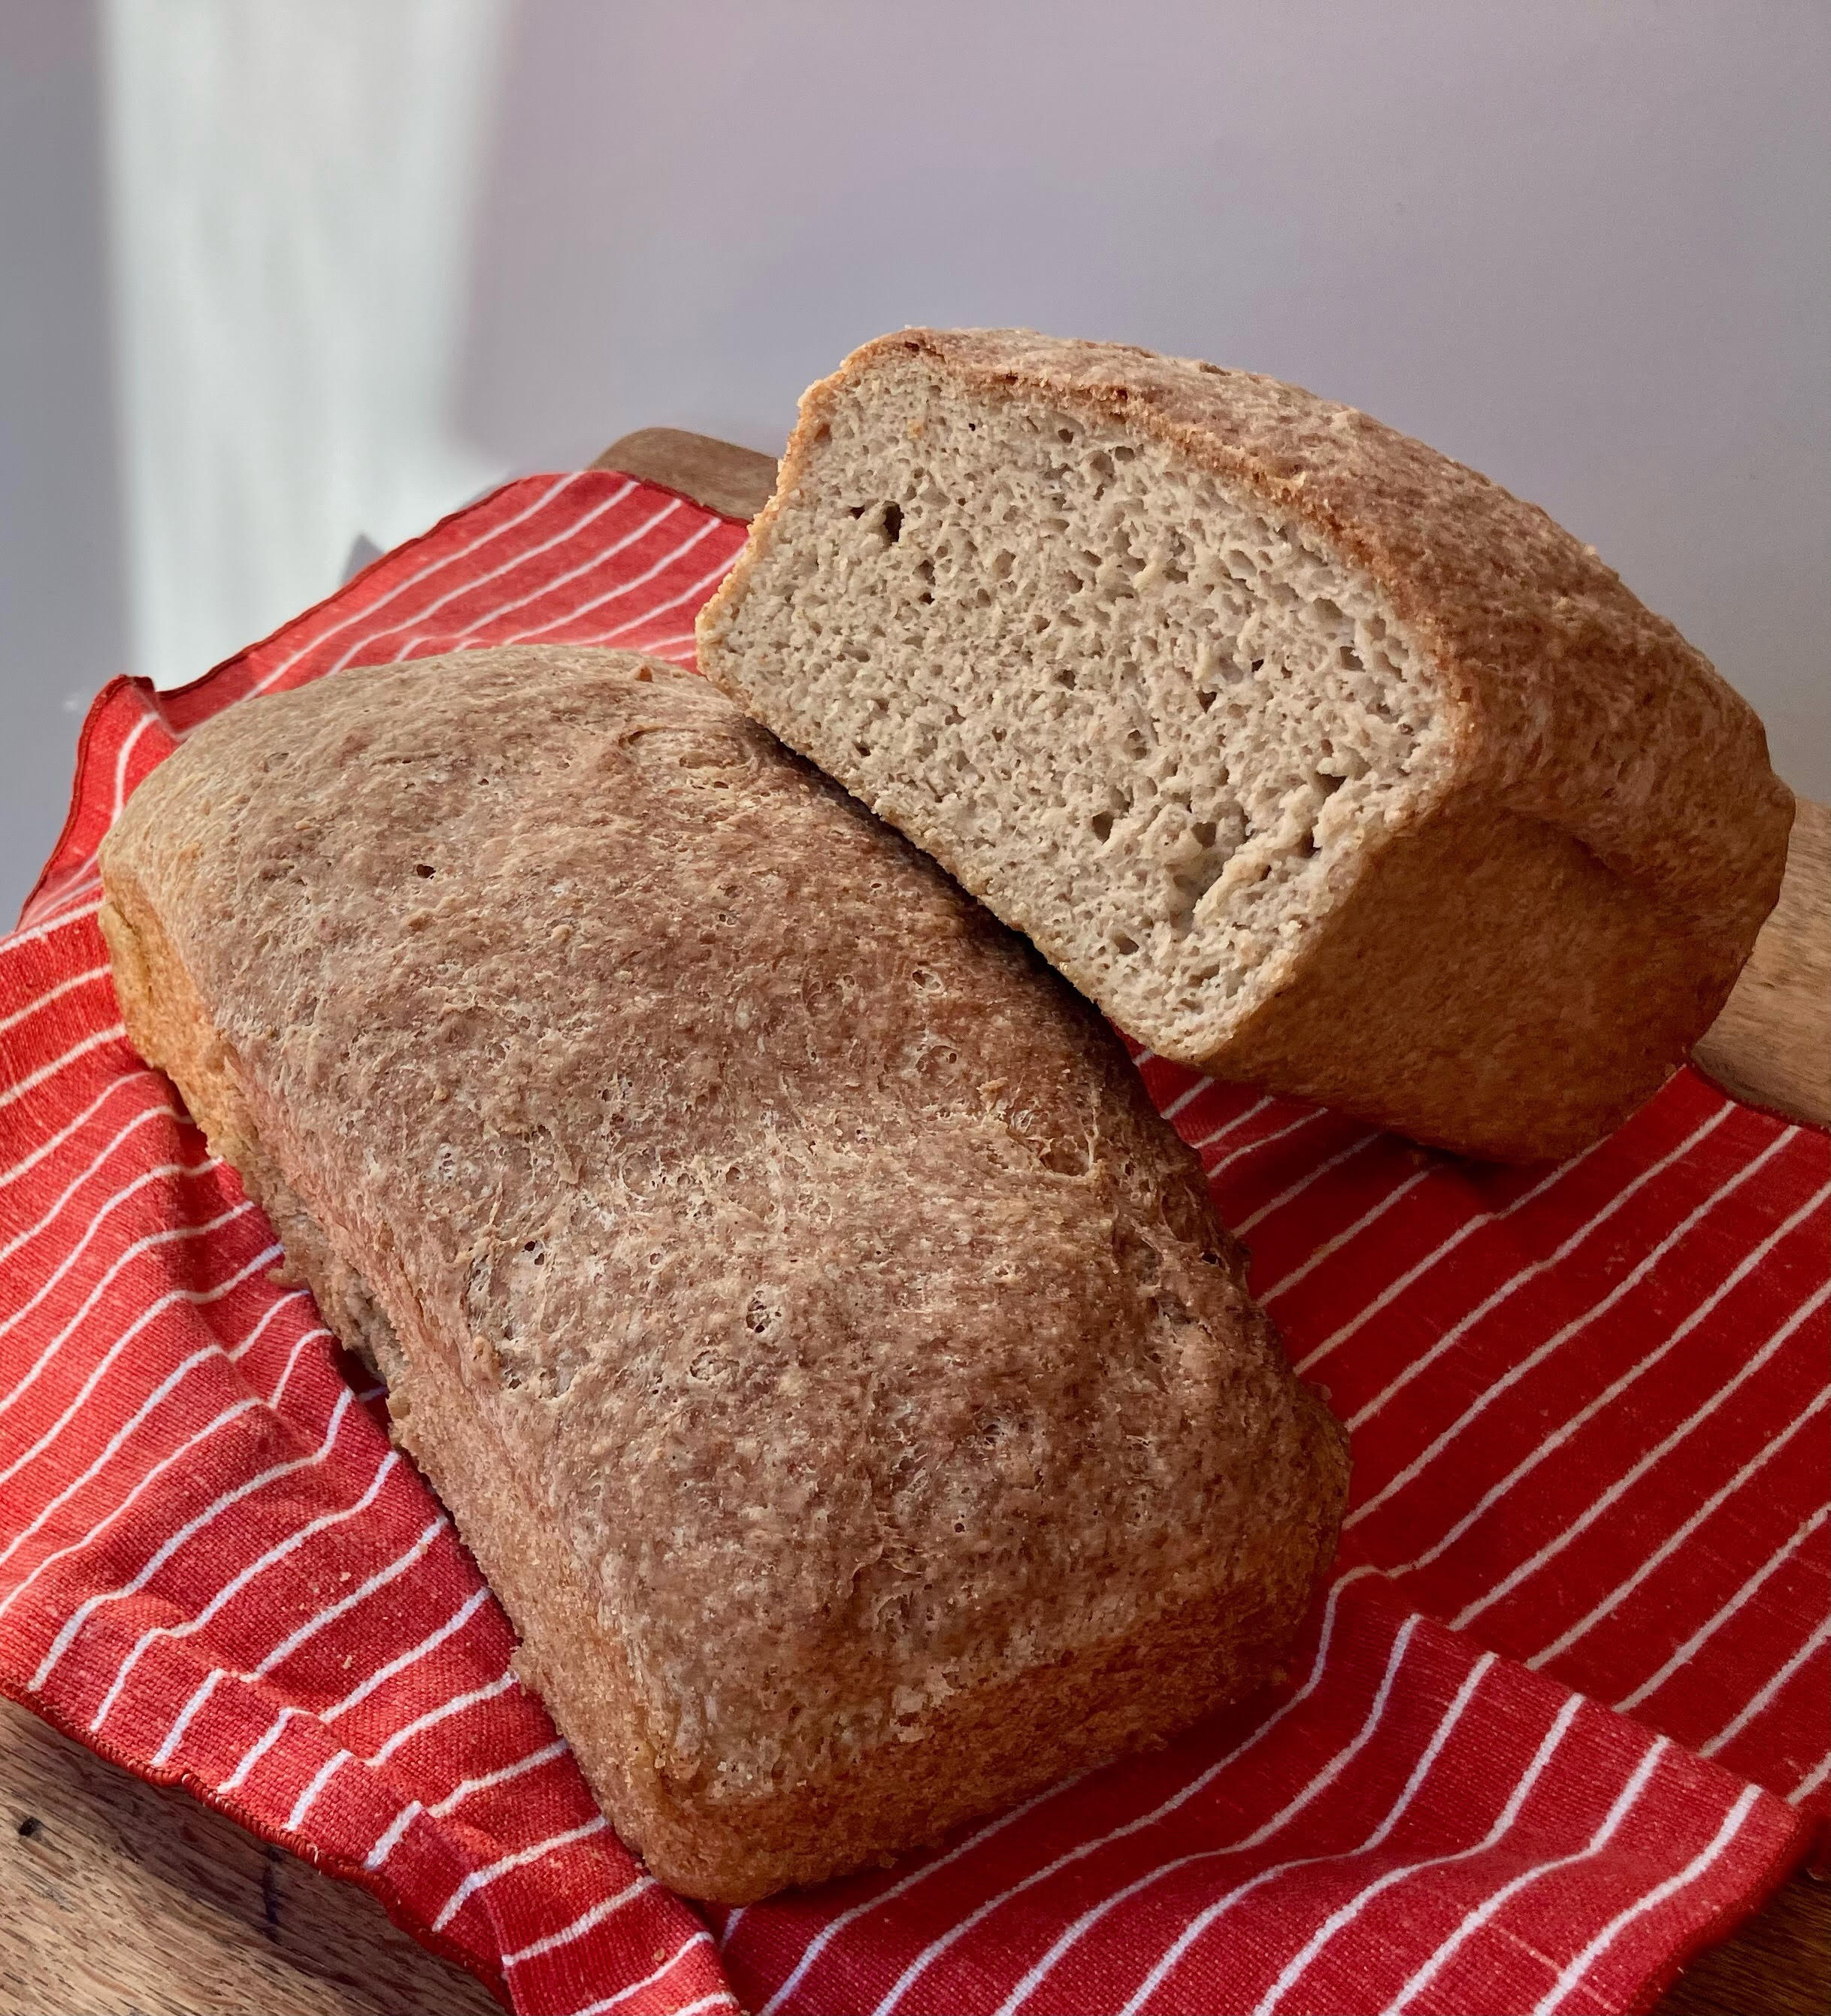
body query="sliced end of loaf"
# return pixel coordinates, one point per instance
(1151, 722)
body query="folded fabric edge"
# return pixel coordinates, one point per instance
(344, 1868)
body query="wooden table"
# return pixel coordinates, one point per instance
(116, 1896)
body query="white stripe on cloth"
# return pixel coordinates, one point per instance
(661, 647)
(500, 1775)
(1559, 1435)
(391, 1837)
(308, 1799)
(236, 1584)
(1321, 1169)
(521, 559)
(1265, 1141)
(119, 1439)
(178, 1456)
(14, 1171)
(426, 573)
(1533, 1270)
(1521, 1367)
(586, 1921)
(1651, 1901)
(195, 1297)
(1341, 1239)
(1239, 1120)
(1594, 1509)
(113, 1034)
(1195, 1785)
(1811, 1781)
(828, 1932)
(69, 886)
(1552, 1442)
(479, 1879)
(72, 1254)
(1765, 1699)
(291, 1712)
(164, 1552)
(702, 1937)
(1205, 1919)
(76, 1182)
(693, 593)
(1345, 1914)
(641, 580)
(170, 1235)
(1313, 1791)
(129, 743)
(33, 934)
(1687, 1651)
(500, 612)
(1188, 1098)
(1417, 1273)
(1624, 1803)
(51, 994)
(456, 1705)
(1676, 1539)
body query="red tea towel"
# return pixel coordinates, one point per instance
(1560, 1718)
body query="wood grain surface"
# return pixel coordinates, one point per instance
(116, 1896)
(1772, 1044)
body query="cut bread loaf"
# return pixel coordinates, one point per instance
(1316, 759)
(832, 1360)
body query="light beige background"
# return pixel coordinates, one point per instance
(275, 272)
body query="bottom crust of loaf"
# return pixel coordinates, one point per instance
(989, 1747)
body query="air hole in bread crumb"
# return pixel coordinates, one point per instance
(421, 869)
(1203, 830)
(1067, 676)
(1066, 1158)
(1123, 944)
(893, 524)
(1102, 823)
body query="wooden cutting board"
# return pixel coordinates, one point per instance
(116, 1896)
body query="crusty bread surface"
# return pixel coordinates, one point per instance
(1316, 759)
(833, 1363)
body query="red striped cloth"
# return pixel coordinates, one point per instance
(1561, 1717)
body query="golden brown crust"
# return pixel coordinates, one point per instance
(756, 1238)
(1583, 708)
(1597, 759)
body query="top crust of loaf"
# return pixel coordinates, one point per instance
(1570, 702)
(803, 1251)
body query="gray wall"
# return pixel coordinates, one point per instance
(61, 608)
(1581, 246)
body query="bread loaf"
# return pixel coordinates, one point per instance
(1316, 759)
(832, 1360)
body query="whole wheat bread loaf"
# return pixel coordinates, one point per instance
(1315, 759)
(832, 1360)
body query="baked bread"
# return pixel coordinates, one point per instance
(832, 1360)
(1317, 760)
